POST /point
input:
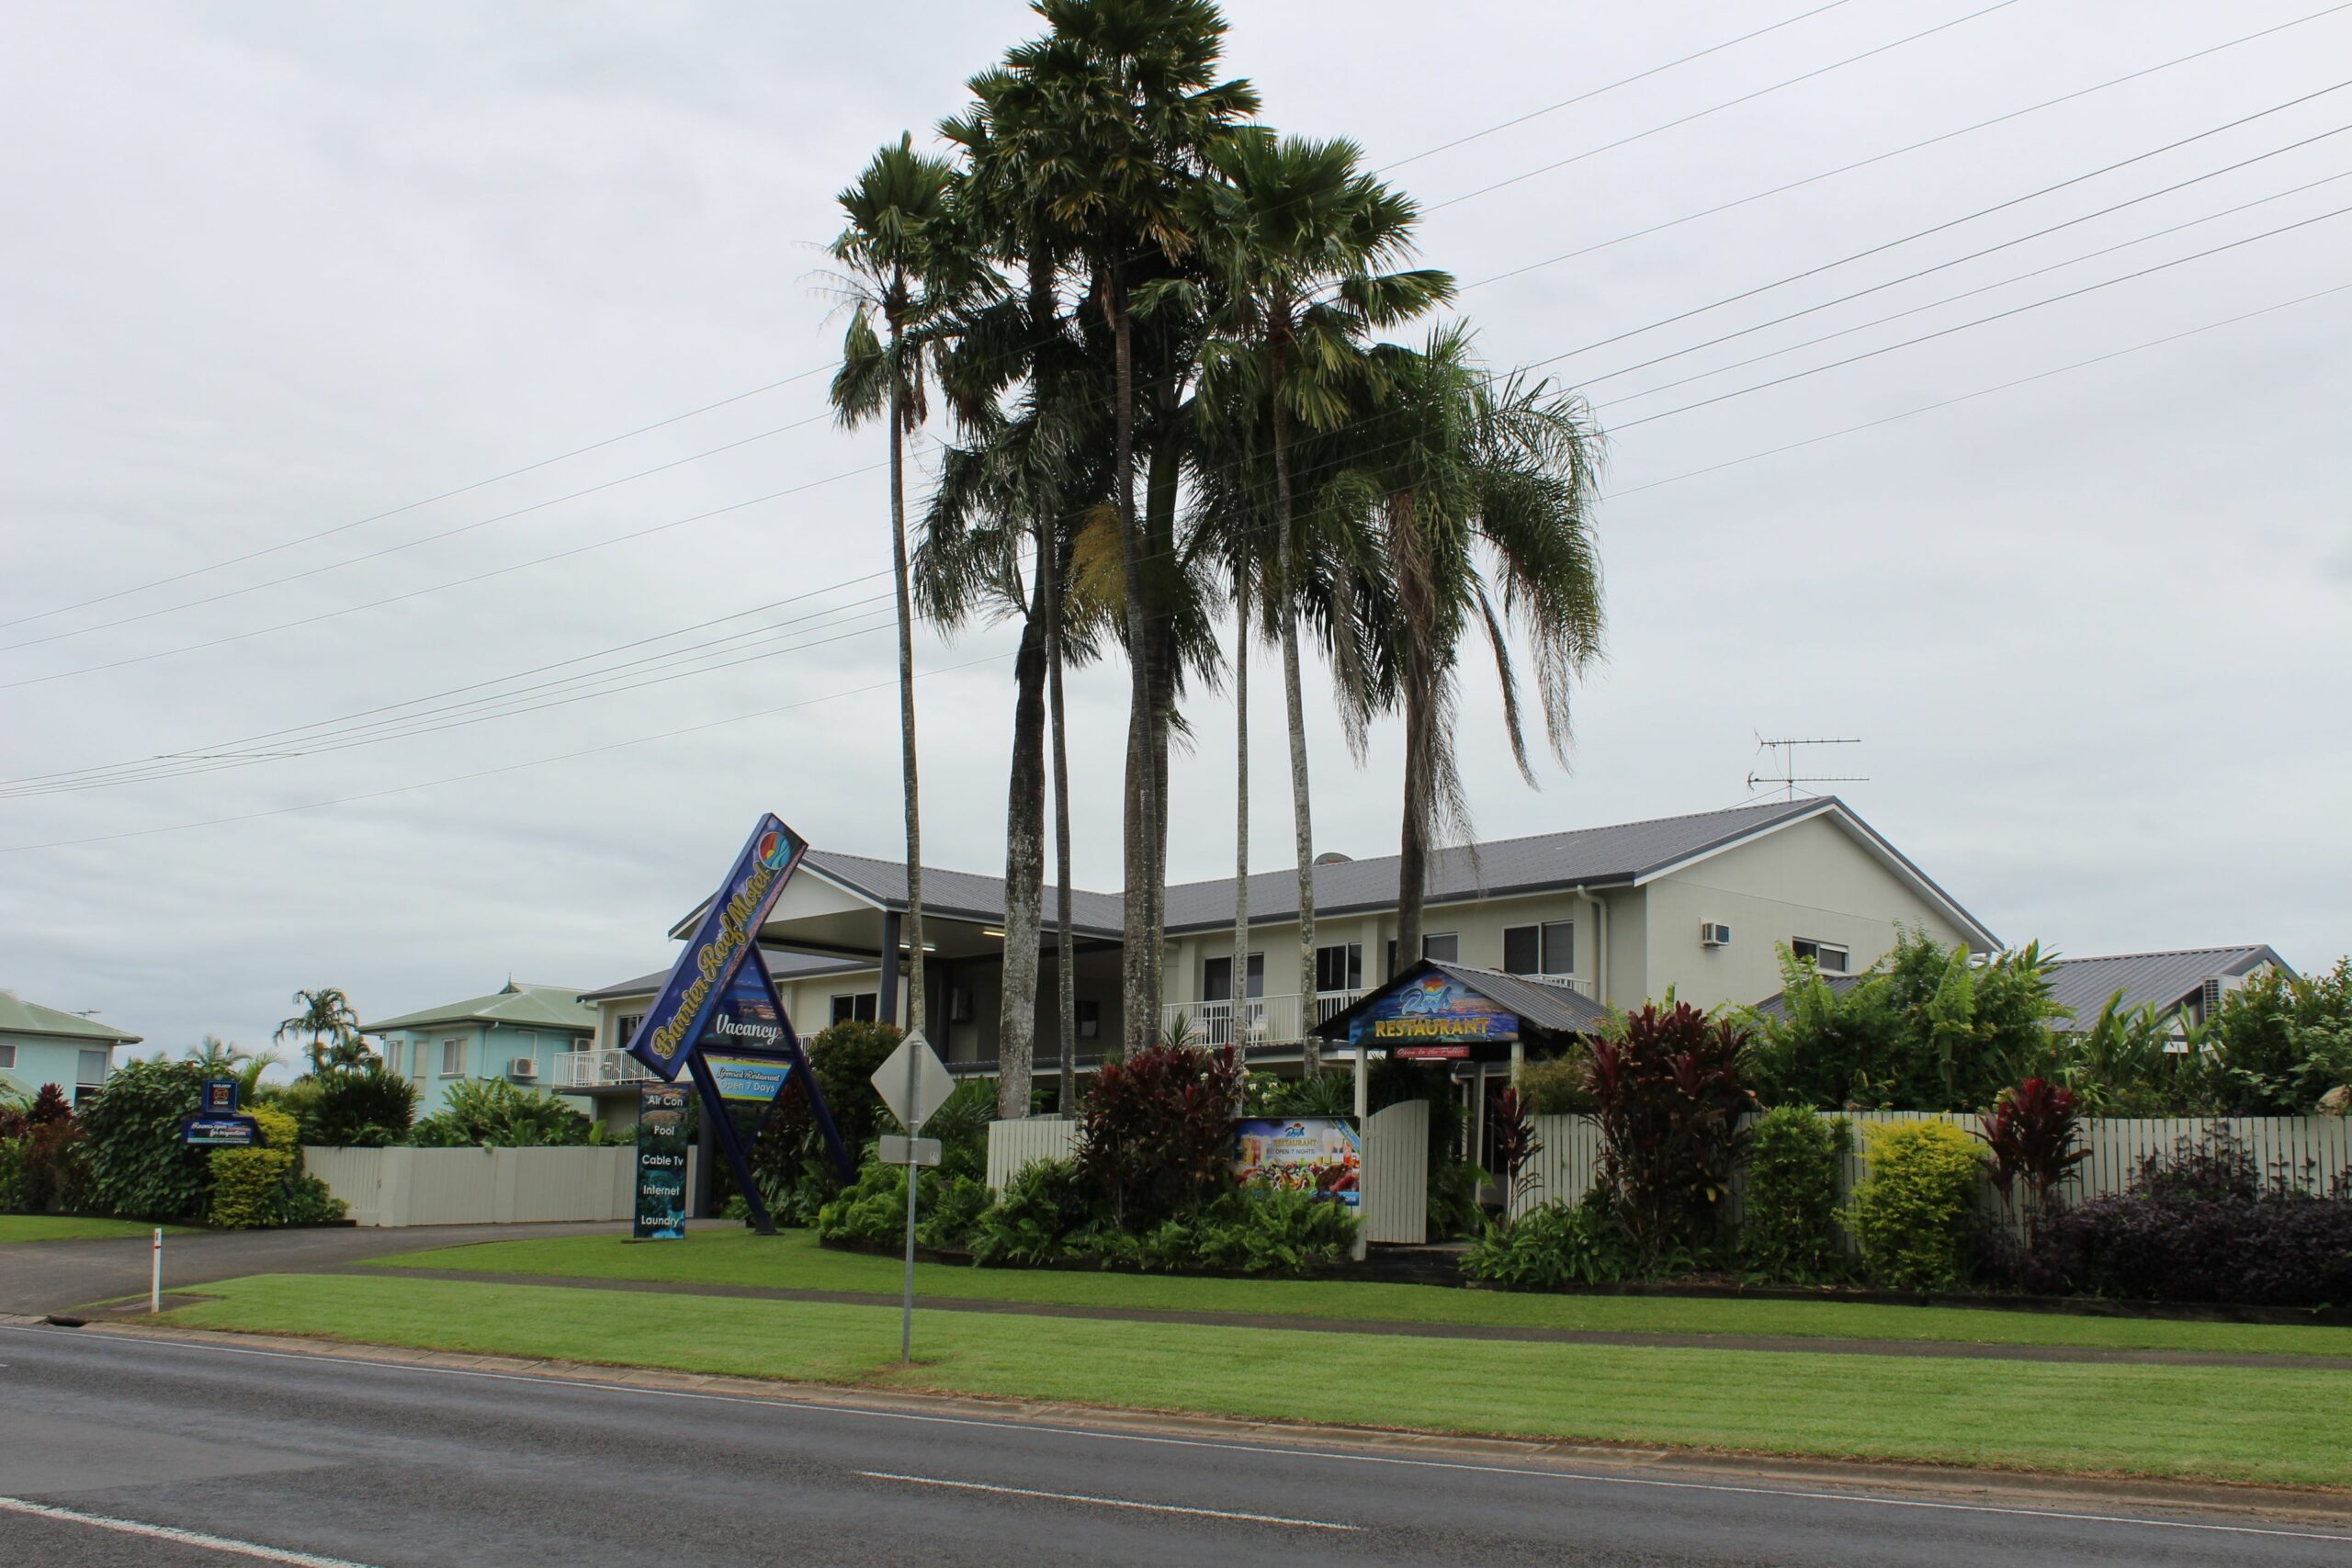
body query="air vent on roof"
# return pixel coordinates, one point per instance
(1332, 857)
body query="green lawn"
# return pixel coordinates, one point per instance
(2285, 1426)
(69, 1227)
(731, 1256)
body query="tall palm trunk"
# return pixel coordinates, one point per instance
(1241, 794)
(1416, 606)
(1024, 866)
(917, 1015)
(1065, 937)
(1139, 838)
(1294, 706)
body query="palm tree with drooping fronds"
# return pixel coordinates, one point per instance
(1302, 247)
(898, 202)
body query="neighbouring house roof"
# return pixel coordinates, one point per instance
(2149, 979)
(1548, 1007)
(518, 1006)
(2083, 986)
(18, 1016)
(1625, 853)
(782, 967)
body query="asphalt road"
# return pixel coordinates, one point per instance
(42, 1277)
(105, 1439)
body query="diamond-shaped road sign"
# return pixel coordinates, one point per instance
(914, 1082)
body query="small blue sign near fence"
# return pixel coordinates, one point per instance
(221, 1131)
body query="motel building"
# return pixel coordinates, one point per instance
(43, 1046)
(1611, 915)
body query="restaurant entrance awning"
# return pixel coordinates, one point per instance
(1436, 1011)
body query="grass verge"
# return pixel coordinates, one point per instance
(731, 1256)
(73, 1227)
(2279, 1428)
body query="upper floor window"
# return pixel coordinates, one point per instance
(861, 1007)
(1825, 956)
(453, 1058)
(1216, 977)
(1444, 946)
(7, 1056)
(1339, 967)
(625, 1030)
(92, 1068)
(1547, 948)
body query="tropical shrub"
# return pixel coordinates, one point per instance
(2205, 1225)
(1561, 1085)
(2283, 1043)
(43, 1161)
(1928, 1028)
(359, 1108)
(790, 1159)
(1913, 1213)
(1555, 1244)
(1510, 1130)
(1788, 1230)
(1669, 1084)
(493, 1113)
(1155, 1135)
(1451, 1206)
(265, 1185)
(138, 1166)
(1041, 1206)
(1320, 1094)
(2032, 1133)
(873, 1208)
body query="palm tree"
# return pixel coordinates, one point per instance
(888, 249)
(1299, 239)
(1131, 110)
(1482, 495)
(326, 1019)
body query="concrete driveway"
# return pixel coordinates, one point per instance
(52, 1276)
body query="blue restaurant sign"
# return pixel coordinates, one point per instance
(725, 934)
(1434, 1016)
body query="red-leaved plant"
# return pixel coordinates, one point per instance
(1670, 1094)
(1511, 1128)
(2031, 1132)
(1155, 1137)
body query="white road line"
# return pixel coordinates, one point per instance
(179, 1537)
(1106, 1502)
(1216, 1445)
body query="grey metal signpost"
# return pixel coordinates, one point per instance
(913, 1083)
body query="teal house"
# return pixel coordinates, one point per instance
(517, 1034)
(41, 1045)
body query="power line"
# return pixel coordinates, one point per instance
(1982, 321)
(1910, 147)
(814, 419)
(1726, 104)
(739, 718)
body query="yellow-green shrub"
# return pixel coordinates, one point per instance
(265, 1185)
(1911, 1214)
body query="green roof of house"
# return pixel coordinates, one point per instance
(520, 1006)
(18, 1016)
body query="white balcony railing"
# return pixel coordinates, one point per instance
(1276, 1020)
(1259, 1021)
(598, 1070)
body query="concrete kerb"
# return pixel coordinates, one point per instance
(1989, 1486)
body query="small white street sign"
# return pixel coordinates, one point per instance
(914, 1082)
(897, 1150)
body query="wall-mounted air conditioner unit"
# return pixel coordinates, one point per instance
(523, 1067)
(1712, 934)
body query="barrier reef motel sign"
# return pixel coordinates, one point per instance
(718, 1018)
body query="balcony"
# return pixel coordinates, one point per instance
(599, 1069)
(1259, 1020)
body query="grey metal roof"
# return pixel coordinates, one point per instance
(782, 967)
(2083, 984)
(962, 893)
(2149, 979)
(1553, 1008)
(1620, 852)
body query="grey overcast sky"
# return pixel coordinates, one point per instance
(271, 269)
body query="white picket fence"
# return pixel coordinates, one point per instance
(2313, 1148)
(1025, 1140)
(481, 1187)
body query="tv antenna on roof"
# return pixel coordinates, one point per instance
(1784, 755)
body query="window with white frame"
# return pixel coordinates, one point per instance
(1216, 977)
(1444, 946)
(1546, 949)
(92, 1068)
(453, 1058)
(8, 1057)
(625, 1029)
(1825, 956)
